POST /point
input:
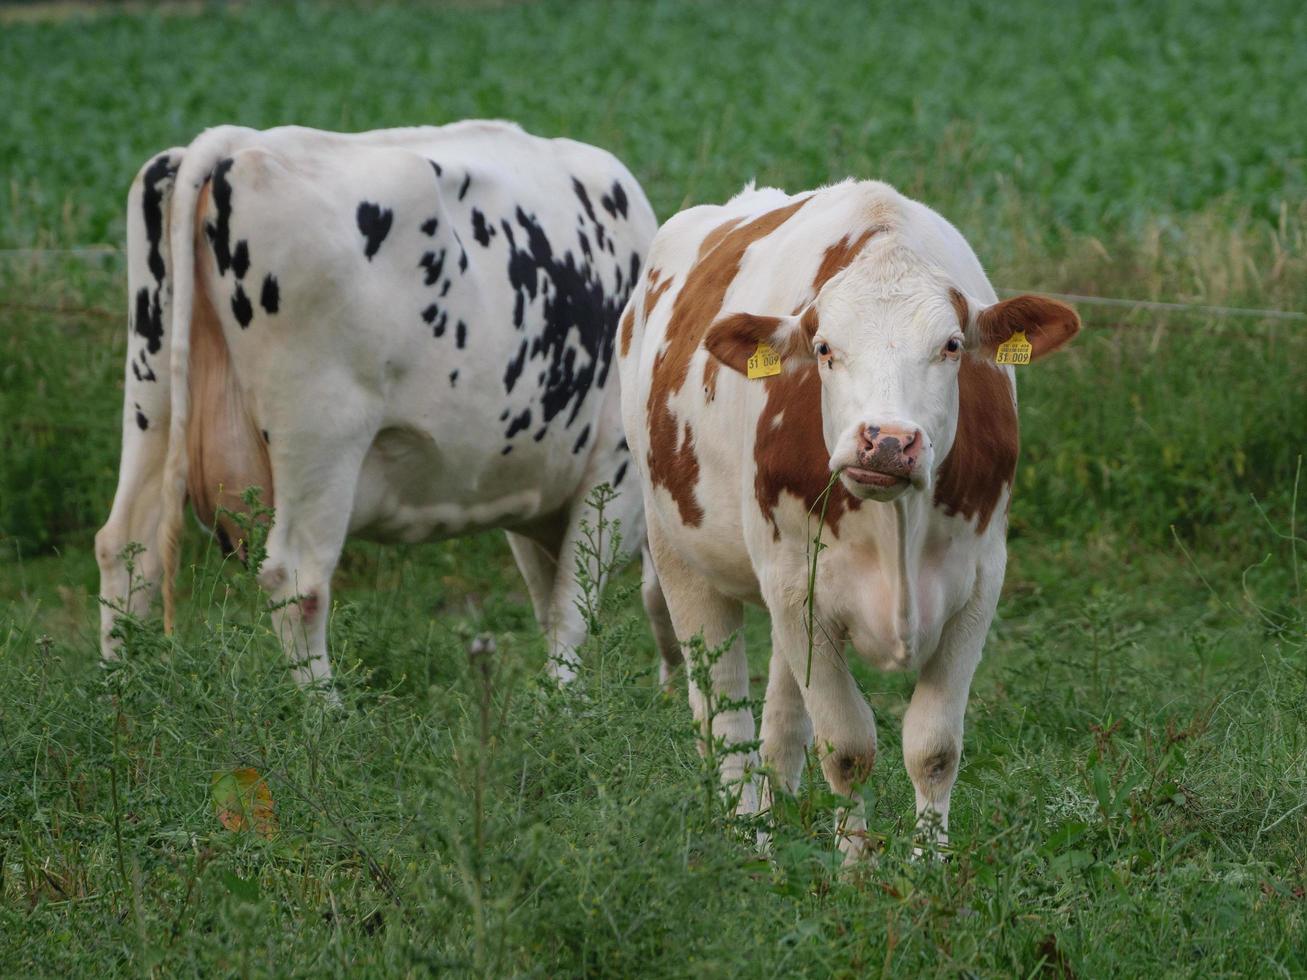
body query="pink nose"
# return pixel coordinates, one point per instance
(889, 449)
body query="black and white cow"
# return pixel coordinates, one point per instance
(404, 334)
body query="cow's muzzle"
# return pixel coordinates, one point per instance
(888, 460)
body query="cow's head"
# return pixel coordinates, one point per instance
(888, 355)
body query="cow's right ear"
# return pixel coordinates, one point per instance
(735, 338)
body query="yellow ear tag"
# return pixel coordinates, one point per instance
(1015, 350)
(765, 362)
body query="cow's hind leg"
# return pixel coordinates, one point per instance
(315, 488)
(129, 579)
(670, 659)
(134, 519)
(699, 611)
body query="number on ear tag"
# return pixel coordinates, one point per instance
(1015, 350)
(766, 361)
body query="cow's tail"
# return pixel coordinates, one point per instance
(199, 161)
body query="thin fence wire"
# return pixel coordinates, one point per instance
(1197, 309)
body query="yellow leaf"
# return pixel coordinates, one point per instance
(242, 801)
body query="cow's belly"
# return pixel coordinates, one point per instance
(715, 550)
(415, 486)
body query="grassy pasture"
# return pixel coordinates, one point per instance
(1132, 801)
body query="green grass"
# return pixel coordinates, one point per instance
(1136, 750)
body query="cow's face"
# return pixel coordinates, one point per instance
(888, 357)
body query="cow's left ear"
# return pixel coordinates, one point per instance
(1047, 324)
(735, 338)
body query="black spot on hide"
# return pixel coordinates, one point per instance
(581, 194)
(615, 202)
(148, 322)
(144, 372)
(581, 440)
(160, 171)
(437, 318)
(374, 222)
(518, 424)
(218, 231)
(481, 231)
(432, 265)
(514, 369)
(240, 259)
(270, 297)
(241, 308)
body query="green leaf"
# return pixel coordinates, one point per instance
(1063, 837)
(245, 889)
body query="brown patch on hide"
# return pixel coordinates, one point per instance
(790, 450)
(838, 256)
(225, 452)
(673, 463)
(653, 292)
(628, 328)
(983, 459)
(714, 237)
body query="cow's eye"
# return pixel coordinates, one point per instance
(954, 347)
(823, 349)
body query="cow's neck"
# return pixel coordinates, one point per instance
(910, 537)
(883, 548)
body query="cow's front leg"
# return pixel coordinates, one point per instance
(786, 735)
(786, 729)
(843, 725)
(932, 727)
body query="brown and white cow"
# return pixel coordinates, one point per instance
(887, 327)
